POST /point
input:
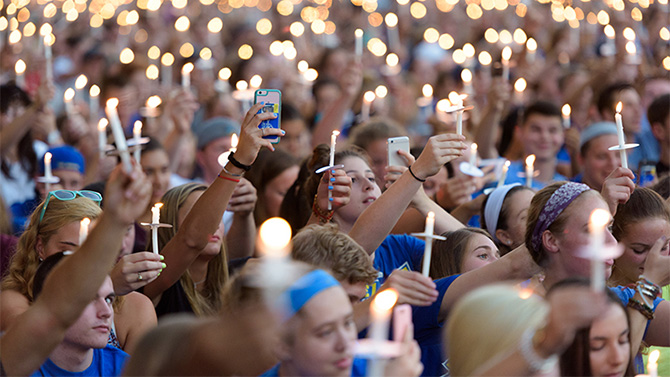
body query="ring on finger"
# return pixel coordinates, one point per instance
(139, 276)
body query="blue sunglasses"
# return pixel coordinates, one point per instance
(68, 195)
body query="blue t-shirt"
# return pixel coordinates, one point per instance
(428, 331)
(357, 369)
(397, 252)
(108, 361)
(517, 174)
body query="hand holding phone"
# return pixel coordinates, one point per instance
(271, 98)
(393, 145)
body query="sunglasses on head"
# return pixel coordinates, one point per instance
(69, 195)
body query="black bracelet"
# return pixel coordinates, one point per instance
(415, 177)
(238, 164)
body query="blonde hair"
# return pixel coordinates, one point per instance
(496, 309)
(58, 214)
(208, 300)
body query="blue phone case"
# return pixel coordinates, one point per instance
(271, 106)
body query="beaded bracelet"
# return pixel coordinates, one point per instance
(646, 310)
(324, 216)
(413, 175)
(535, 361)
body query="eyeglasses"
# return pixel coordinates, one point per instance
(69, 195)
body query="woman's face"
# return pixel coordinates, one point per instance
(479, 252)
(65, 239)
(324, 336)
(275, 191)
(638, 238)
(517, 215)
(215, 240)
(575, 238)
(364, 189)
(609, 347)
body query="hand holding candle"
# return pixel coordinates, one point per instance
(117, 132)
(154, 225)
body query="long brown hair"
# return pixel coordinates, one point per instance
(208, 300)
(448, 254)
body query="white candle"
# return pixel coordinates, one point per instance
(155, 220)
(428, 248)
(102, 137)
(368, 98)
(48, 55)
(519, 87)
(599, 219)
(380, 313)
(117, 132)
(620, 135)
(503, 175)
(359, 44)
(275, 240)
(68, 98)
(466, 76)
(506, 56)
(530, 170)
(47, 165)
(565, 110)
(93, 104)
(652, 363)
(473, 154)
(233, 143)
(137, 135)
(20, 69)
(333, 140)
(186, 75)
(531, 46)
(83, 229)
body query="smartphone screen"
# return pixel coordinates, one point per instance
(272, 104)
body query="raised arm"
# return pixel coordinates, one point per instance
(376, 222)
(75, 282)
(206, 214)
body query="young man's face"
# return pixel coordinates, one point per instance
(631, 113)
(598, 161)
(542, 135)
(93, 326)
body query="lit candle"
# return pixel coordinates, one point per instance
(652, 363)
(223, 157)
(48, 55)
(503, 175)
(80, 83)
(565, 110)
(368, 98)
(609, 48)
(47, 170)
(117, 132)
(166, 69)
(530, 170)
(102, 137)
(473, 154)
(186, 75)
(427, 100)
(519, 87)
(233, 142)
(20, 69)
(459, 119)
(83, 229)
(223, 86)
(93, 104)
(68, 99)
(275, 239)
(597, 223)
(359, 44)
(391, 20)
(428, 248)
(506, 56)
(137, 135)
(531, 48)
(466, 76)
(155, 221)
(333, 140)
(255, 82)
(380, 313)
(620, 135)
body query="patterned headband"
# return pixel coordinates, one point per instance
(558, 201)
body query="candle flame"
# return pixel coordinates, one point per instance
(531, 44)
(619, 107)
(369, 96)
(466, 76)
(158, 205)
(427, 90)
(69, 95)
(113, 102)
(507, 53)
(81, 82)
(381, 91)
(336, 133)
(526, 293)
(137, 127)
(391, 20)
(653, 357)
(443, 104)
(599, 218)
(94, 91)
(520, 85)
(530, 160)
(455, 99)
(507, 163)
(275, 234)
(384, 300)
(102, 124)
(225, 73)
(242, 85)
(233, 141)
(20, 67)
(358, 33)
(85, 222)
(256, 81)
(609, 31)
(431, 215)
(154, 101)
(473, 148)
(566, 110)
(187, 68)
(47, 158)
(303, 66)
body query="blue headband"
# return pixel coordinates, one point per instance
(493, 206)
(308, 286)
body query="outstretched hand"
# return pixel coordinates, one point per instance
(618, 187)
(337, 181)
(127, 195)
(439, 150)
(251, 136)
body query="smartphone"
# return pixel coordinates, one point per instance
(393, 145)
(272, 100)
(402, 317)
(647, 175)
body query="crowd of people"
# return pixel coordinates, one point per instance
(176, 275)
